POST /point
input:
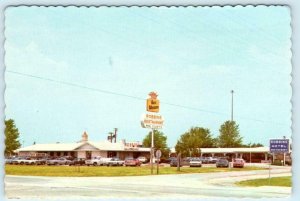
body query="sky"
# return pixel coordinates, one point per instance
(70, 70)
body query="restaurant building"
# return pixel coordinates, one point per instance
(87, 149)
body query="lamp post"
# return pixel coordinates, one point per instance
(232, 104)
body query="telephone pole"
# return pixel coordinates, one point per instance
(115, 135)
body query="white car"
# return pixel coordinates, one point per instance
(142, 159)
(114, 162)
(195, 162)
(98, 160)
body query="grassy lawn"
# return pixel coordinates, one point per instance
(85, 171)
(274, 181)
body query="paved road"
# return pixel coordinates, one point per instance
(163, 186)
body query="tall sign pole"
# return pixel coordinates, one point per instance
(152, 150)
(279, 146)
(152, 120)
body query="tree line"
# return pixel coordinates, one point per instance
(188, 143)
(199, 137)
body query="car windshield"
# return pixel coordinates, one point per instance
(222, 160)
(238, 160)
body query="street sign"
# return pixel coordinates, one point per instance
(152, 104)
(153, 121)
(279, 145)
(158, 154)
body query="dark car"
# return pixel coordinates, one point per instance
(204, 160)
(183, 162)
(42, 161)
(174, 163)
(170, 159)
(77, 161)
(222, 163)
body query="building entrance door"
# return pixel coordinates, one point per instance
(88, 154)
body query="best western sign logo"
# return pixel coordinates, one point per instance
(152, 103)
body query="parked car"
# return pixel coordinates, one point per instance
(183, 162)
(142, 159)
(78, 161)
(115, 162)
(204, 160)
(42, 161)
(30, 161)
(174, 163)
(18, 161)
(195, 162)
(211, 160)
(222, 163)
(9, 160)
(132, 162)
(59, 161)
(98, 160)
(170, 159)
(238, 162)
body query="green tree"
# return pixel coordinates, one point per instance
(190, 142)
(229, 135)
(160, 142)
(253, 145)
(11, 137)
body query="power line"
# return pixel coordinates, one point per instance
(133, 97)
(74, 85)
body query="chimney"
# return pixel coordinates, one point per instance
(84, 137)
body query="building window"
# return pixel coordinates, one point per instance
(111, 154)
(65, 153)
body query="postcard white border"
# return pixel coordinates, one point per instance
(295, 15)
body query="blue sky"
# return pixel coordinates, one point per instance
(193, 57)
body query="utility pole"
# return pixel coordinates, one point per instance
(115, 136)
(110, 136)
(232, 105)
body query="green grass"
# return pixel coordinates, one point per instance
(274, 181)
(85, 171)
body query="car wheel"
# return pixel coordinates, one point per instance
(95, 164)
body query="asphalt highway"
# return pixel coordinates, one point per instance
(161, 186)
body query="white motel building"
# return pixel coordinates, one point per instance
(87, 149)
